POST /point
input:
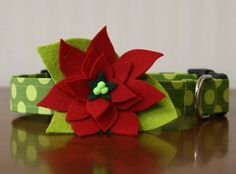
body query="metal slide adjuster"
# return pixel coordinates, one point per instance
(204, 74)
(198, 87)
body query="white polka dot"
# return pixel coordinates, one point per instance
(21, 107)
(31, 153)
(21, 135)
(188, 98)
(46, 111)
(169, 76)
(217, 109)
(226, 95)
(43, 141)
(218, 82)
(177, 84)
(13, 90)
(209, 97)
(44, 81)
(20, 79)
(31, 92)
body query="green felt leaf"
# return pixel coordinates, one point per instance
(159, 114)
(101, 77)
(110, 85)
(59, 124)
(92, 96)
(92, 84)
(50, 56)
(106, 96)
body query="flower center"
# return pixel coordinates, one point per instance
(101, 88)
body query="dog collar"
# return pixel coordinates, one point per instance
(213, 95)
(89, 90)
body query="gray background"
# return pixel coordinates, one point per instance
(191, 33)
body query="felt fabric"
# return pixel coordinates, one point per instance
(102, 45)
(97, 107)
(76, 57)
(50, 56)
(79, 87)
(149, 119)
(77, 111)
(79, 84)
(148, 93)
(90, 58)
(159, 114)
(101, 65)
(85, 127)
(59, 124)
(123, 124)
(57, 99)
(94, 84)
(122, 93)
(141, 60)
(108, 119)
(128, 104)
(121, 71)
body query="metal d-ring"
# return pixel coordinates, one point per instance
(198, 87)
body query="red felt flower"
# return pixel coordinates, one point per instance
(101, 92)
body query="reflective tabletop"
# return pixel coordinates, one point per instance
(187, 145)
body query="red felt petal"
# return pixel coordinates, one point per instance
(70, 59)
(148, 93)
(57, 99)
(128, 104)
(102, 44)
(77, 111)
(79, 87)
(97, 106)
(85, 127)
(127, 124)
(88, 62)
(121, 93)
(121, 70)
(101, 66)
(108, 118)
(141, 60)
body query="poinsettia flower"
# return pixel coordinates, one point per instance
(100, 91)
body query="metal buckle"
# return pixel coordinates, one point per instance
(204, 74)
(202, 71)
(199, 84)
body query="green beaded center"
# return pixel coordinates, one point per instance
(101, 88)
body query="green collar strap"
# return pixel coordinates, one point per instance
(213, 97)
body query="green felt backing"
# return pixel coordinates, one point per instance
(59, 124)
(159, 114)
(50, 57)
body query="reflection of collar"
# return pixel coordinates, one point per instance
(213, 97)
(32, 147)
